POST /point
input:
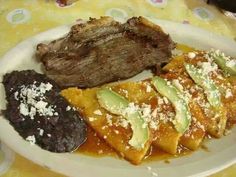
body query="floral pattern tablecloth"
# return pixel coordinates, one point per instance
(20, 19)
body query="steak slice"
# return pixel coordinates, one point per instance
(40, 114)
(103, 50)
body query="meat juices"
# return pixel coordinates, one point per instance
(40, 114)
(103, 50)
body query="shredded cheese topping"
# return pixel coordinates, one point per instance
(33, 101)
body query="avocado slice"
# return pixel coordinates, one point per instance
(203, 80)
(224, 62)
(116, 104)
(183, 115)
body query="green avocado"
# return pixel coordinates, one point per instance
(183, 115)
(203, 80)
(116, 104)
(222, 61)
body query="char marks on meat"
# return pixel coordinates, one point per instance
(40, 114)
(103, 50)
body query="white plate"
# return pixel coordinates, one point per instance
(200, 163)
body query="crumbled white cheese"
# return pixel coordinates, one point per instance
(123, 123)
(162, 116)
(32, 100)
(41, 105)
(116, 132)
(45, 87)
(146, 110)
(168, 83)
(41, 131)
(104, 127)
(24, 109)
(217, 53)
(125, 92)
(148, 88)
(231, 63)
(144, 125)
(16, 95)
(177, 84)
(228, 93)
(160, 101)
(132, 108)
(91, 119)
(142, 145)
(154, 113)
(200, 125)
(68, 108)
(31, 139)
(208, 67)
(166, 101)
(97, 112)
(192, 90)
(127, 147)
(109, 119)
(191, 55)
(154, 125)
(49, 135)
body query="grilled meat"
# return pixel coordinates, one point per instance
(103, 50)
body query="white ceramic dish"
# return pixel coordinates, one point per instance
(201, 163)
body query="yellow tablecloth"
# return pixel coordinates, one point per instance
(20, 19)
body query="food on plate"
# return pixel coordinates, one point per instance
(188, 100)
(116, 104)
(217, 102)
(192, 99)
(40, 114)
(183, 115)
(103, 50)
(227, 64)
(114, 129)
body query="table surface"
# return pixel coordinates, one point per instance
(20, 19)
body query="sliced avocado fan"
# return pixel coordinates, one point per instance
(116, 104)
(183, 116)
